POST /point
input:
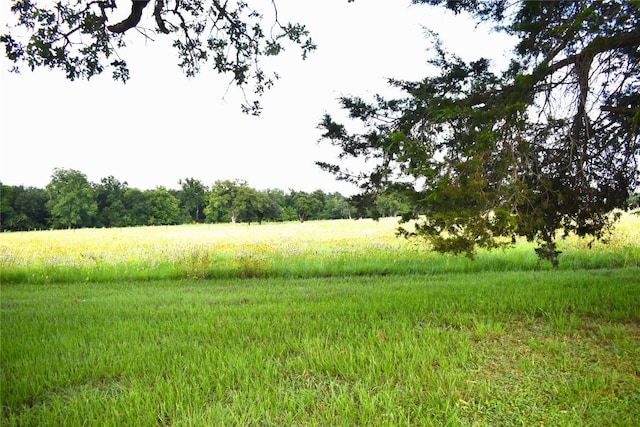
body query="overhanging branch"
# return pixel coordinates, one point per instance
(157, 12)
(597, 45)
(132, 20)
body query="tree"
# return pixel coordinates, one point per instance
(30, 208)
(110, 200)
(549, 144)
(391, 204)
(7, 212)
(634, 202)
(275, 203)
(336, 207)
(307, 205)
(78, 38)
(192, 197)
(262, 206)
(250, 204)
(235, 201)
(71, 199)
(227, 201)
(135, 204)
(162, 207)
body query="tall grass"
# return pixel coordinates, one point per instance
(313, 249)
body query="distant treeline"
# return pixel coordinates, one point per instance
(71, 201)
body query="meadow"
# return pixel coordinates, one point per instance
(285, 250)
(320, 323)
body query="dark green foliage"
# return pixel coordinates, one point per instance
(75, 37)
(336, 206)
(481, 156)
(634, 201)
(274, 204)
(307, 205)
(7, 212)
(226, 201)
(162, 207)
(193, 198)
(135, 205)
(23, 209)
(110, 196)
(236, 201)
(72, 201)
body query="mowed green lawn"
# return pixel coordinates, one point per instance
(329, 323)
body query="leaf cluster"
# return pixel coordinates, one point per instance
(230, 36)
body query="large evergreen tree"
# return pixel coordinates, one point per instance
(550, 143)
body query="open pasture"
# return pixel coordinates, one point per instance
(312, 249)
(328, 323)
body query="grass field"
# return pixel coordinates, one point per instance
(327, 323)
(289, 250)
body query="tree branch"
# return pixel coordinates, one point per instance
(627, 111)
(157, 11)
(597, 45)
(132, 20)
(570, 34)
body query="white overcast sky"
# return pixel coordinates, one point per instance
(161, 126)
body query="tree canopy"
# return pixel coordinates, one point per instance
(81, 38)
(481, 154)
(71, 201)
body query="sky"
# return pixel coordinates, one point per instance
(161, 126)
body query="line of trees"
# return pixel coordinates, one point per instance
(70, 200)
